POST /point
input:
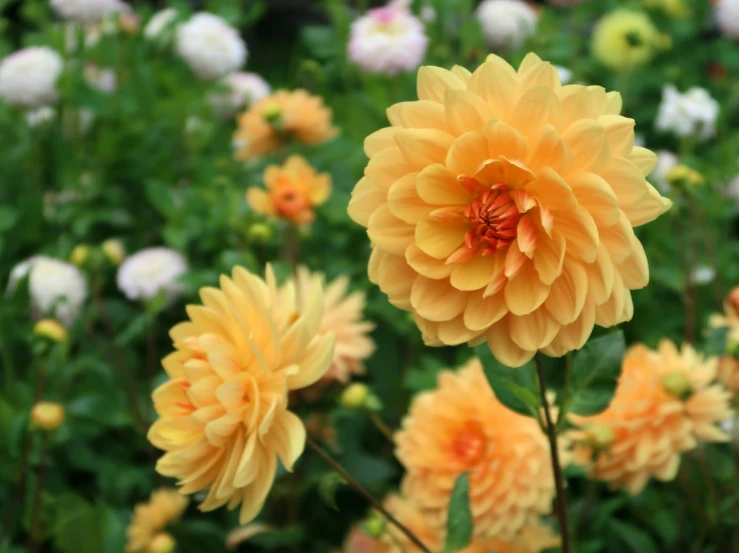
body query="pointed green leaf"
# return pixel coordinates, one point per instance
(514, 387)
(595, 373)
(459, 525)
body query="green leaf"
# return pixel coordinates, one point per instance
(160, 197)
(595, 373)
(715, 343)
(635, 539)
(459, 524)
(327, 488)
(512, 386)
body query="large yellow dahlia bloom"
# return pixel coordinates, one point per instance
(501, 206)
(150, 518)
(665, 401)
(223, 413)
(462, 427)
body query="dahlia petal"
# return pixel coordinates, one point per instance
(404, 201)
(534, 72)
(380, 140)
(260, 201)
(514, 260)
(525, 292)
(366, 198)
(589, 145)
(464, 111)
(202, 393)
(429, 331)
(426, 265)
(421, 114)
(550, 150)
(552, 191)
(628, 183)
(648, 209)
(204, 318)
(574, 335)
(386, 167)
(497, 283)
(172, 364)
(644, 159)
(248, 466)
(455, 332)
(669, 469)
(388, 232)
(581, 233)
(635, 270)
(394, 277)
(321, 189)
(548, 256)
(436, 300)
(513, 173)
(597, 197)
(258, 490)
(220, 430)
(505, 141)
(600, 277)
(437, 185)
(495, 82)
(611, 311)
(315, 363)
(467, 153)
(620, 133)
(422, 147)
(230, 394)
(617, 239)
(288, 438)
(577, 104)
(462, 72)
(535, 107)
(181, 331)
(526, 234)
(614, 103)
(475, 273)
(438, 238)
(483, 313)
(533, 331)
(568, 294)
(503, 347)
(433, 82)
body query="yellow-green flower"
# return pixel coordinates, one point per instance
(673, 8)
(51, 329)
(625, 39)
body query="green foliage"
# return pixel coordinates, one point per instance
(514, 387)
(459, 524)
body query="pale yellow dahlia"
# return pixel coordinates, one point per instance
(281, 117)
(223, 413)
(501, 207)
(461, 427)
(533, 537)
(150, 518)
(342, 315)
(665, 401)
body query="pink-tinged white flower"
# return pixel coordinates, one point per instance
(666, 162)
(102, 79)
(151, 271)
(160, 22)
(692, 113)
(86, 11)
(28, 77)
(506, 24)
(241, 89)
(727, 17)
(210, 46)
(388, 40)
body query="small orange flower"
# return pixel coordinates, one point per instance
(665, 401)
(294, 190)
(279, 118)
(342, 315)
(462, 427)
(150, 518)
(533, 537)
(224, 417)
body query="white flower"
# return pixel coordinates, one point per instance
(148, 272)
(387, 40)
(241, 89)
(666, 162)
(703, 274)
(727, 17)
(428, 14)
(506, 24)
(104, 80)
(732, 190)
(639, 140)
(159, 22)
(565, 75)
(28, 77)
(39, 116)
(693, 113)
(210, 46)
(56, 288)
(86, 11)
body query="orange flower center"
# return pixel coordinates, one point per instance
(469, 446)
(289, 202)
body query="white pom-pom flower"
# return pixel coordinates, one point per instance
(151, 271)
(159, 22)
(727, 17)
(506, 24)
(210, 46)
(239, 90)
(28, 77)
(692, 113)
(86, 11)
(388, 40)
(56, 288)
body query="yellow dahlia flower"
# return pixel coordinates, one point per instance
(150, 518)
(279, 118)
(533, 537)
(624, 39)
(293, 191)
(223, 413)
(501, 206)
(342, 315)
(461, 427)
(665, 401)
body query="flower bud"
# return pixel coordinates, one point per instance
(47, 416)
(684, 175)
(355, 396)
(114, 251)
(260, 232)
(80, 254)
(161, 543)
(599, 436)
(129, 22)
(375, 525)
(677, 384)
(50, 329)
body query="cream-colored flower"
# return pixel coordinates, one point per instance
(28, 77)
(210, 46)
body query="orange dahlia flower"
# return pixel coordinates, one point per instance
(342, 315)
(665, 401)
(150, 518)
(501, 207)
(462, 427)
(533, 537)
(293, 191)
(223, 413)
(279, 118)
(728, 368)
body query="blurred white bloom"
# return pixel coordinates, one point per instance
(387, 40)
(506, 24)
(666, 161)
(639, 140)
(87, 10)
(428, 14)
(692, 113)
(727, 17)
(148, 272)
(39, 116)
(241, 89)
(56, 288)
(28, 77)
(159, 22)
(210, 46)
(565, 75)
(703, 274)
(729, 426)
(104, 80)
(732, 190)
